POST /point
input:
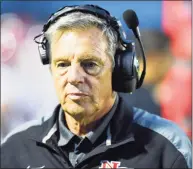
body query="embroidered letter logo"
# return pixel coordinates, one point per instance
(112, 164)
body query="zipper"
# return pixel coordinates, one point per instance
(61, 153)
(57, 150)
(52, 149)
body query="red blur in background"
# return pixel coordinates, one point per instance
(176, 102)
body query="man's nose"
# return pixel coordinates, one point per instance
(75, 74)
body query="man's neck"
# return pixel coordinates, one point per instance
(77, 127)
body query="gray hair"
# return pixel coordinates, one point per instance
(78, 20)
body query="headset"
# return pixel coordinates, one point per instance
(125, 76)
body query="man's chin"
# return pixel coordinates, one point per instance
(84, 109)
(73, 109)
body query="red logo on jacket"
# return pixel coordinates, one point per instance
(111, 164)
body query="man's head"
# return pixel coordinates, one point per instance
(82, 49)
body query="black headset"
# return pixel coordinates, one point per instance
(125, 77)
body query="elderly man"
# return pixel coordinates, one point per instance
(92, 127)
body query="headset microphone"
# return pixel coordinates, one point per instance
(132, 22)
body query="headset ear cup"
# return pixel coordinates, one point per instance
(125, 75)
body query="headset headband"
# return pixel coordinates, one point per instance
(91, 9)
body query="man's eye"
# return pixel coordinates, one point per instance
(62, 64)
(91, 68)
(89, 65)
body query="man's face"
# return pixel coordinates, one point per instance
(82, 73)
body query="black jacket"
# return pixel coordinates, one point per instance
(138, 140)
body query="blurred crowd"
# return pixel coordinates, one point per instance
(27, 90)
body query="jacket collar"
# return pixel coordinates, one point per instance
(48, 128)
(121, 124)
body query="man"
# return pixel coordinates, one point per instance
(92, 127)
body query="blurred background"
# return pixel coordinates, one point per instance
(27, 91)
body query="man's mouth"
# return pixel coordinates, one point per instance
(76, 96)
